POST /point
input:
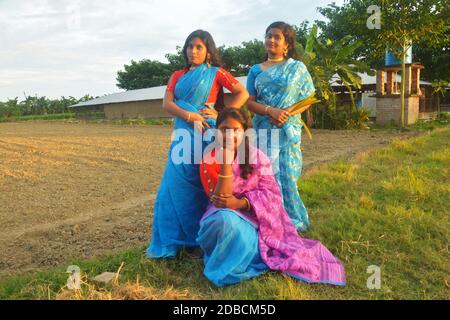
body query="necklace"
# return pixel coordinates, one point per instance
(275, 60)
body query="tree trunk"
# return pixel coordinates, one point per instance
(402, 94)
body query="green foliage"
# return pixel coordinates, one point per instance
(53, 116)
(435, 60)
(427, 23)
(143, 74)
(239, 59)
(34, 106)
(331, 62)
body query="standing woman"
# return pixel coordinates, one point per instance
(190, 97)
(275, 85)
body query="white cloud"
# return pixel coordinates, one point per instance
(74, 47)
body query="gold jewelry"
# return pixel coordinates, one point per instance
(222, 176)
(247, 204)
(275, 60)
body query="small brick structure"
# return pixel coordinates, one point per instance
(388, 94)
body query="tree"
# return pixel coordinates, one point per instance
(351, 19)
(435, 60)
(420, 21)
(424, 22)
(239, 59)
(176, 60)
(143, 74)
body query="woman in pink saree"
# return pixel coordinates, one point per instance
(245, 230)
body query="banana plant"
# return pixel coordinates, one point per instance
(331, 62)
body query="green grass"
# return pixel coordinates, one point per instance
(56, 116)
(143, 121)
(138, 121)
(388, 208)
(442, 120)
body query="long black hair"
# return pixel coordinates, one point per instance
(243, 118)
(290, 37)
(210, 45)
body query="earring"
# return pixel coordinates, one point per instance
(285, 52)
(208, 60)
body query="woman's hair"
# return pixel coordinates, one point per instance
(243, 118)
(208, 41)
(290, 37)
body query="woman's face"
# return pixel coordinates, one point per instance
(275, 42)
(196, 52)
(234, 129)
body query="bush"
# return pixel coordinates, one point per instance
(341, 117)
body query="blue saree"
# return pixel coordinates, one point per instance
(280, 86)
(181, 199)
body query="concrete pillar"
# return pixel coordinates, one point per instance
(415, 81)
(380, 82)
(390, 82)
(407, 79)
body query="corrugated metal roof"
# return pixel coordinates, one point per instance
(127, 96)
(156, 93)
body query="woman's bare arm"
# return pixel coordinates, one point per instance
(239, 96)
(256, 107)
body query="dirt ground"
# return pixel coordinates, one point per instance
(77, 190)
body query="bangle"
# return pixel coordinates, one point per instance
(222, 176)
(189, 117)
(247, 204)
(265, 110)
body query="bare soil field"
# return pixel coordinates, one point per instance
(81, 190)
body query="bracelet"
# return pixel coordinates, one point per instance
(265, 110)
(222, 176)
(189, 117)
(247, 204)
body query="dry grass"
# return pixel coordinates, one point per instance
(89, 290)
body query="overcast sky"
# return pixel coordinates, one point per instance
(60, 48)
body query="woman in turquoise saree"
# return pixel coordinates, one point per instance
(190, 96)
(274, 86)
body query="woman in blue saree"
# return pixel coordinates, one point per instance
(190, 97)
(274, 86)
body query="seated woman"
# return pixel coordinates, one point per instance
(245, 230)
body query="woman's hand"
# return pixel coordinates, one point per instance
(197, 120)
(209, 113)
(228, 201)
(278, 116)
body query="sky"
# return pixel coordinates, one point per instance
(57, 48)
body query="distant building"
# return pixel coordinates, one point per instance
(147, 103)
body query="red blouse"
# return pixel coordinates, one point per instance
(209, 171)
(223, 79)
